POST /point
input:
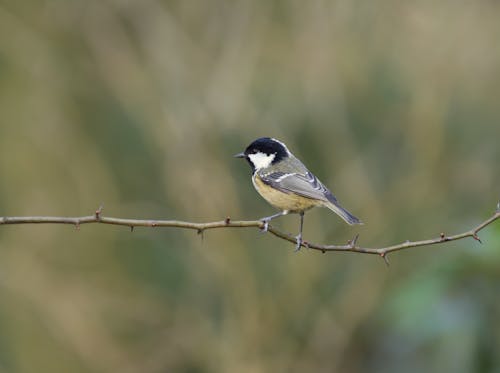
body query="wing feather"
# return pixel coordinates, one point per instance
(306, 185)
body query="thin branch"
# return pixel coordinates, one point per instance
(351, 245)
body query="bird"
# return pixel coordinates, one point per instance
(287, 185)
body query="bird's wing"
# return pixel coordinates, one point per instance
(306, 185)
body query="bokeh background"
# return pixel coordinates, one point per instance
(140, 105)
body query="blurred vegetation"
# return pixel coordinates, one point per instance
(141, 104)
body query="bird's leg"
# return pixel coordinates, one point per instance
(267, 219)
(299, 236)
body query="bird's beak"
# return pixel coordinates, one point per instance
(240, 155)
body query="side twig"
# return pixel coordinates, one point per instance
(351, 245)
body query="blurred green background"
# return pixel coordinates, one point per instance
(140, 105)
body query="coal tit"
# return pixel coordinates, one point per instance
(283, 181)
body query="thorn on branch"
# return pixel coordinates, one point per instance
(227, 220)
(77, 225)
(201, 232)
(443, 237)
(476, 237)
(383, 255)
(131, 229)
(98, 212)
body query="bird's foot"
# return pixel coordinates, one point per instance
(265, 227)
(299, 241)
(267, 219)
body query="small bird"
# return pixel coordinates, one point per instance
(283, 181)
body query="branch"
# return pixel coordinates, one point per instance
(351, 245)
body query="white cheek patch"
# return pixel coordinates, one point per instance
(261, 160)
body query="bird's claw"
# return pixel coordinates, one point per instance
(265, 227)
(299, 241)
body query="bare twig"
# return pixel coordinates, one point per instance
(351, 245)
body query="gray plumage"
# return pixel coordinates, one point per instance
(293, 177)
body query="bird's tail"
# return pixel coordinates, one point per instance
(343, 213)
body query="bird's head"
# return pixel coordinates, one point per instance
(264, 152)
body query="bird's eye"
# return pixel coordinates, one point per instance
(254, 151)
